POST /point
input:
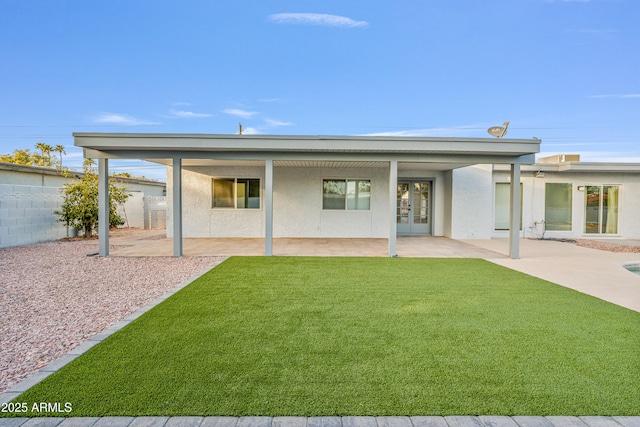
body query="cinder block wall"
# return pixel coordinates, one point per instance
(26, 215)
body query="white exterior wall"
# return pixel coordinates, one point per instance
(297, 203)
(533, 204)
(132, 211)
(471, 203)
(198, 217)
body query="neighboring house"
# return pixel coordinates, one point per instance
(29, 195)
(321, 186)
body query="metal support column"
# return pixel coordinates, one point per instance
(393, 195)
(268, 207)
(514, 213)
(177, 207)
(103, 207)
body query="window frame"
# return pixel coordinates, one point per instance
(601, 213)
(235, 193)
(346, 194)
(495, 200)
(570, 206)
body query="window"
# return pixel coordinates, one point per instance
(349, 194)
(601, 209)
(557, 206)
(239, 193)
(502, 212)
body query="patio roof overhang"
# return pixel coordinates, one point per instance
(161, 148)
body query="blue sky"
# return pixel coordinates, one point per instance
(565, 71)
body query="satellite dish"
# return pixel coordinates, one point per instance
(498, 131)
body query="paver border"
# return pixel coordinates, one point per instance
(330, 421)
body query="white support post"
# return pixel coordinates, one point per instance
(268, 207)
(177, 207)
(393, 195)
(514, 213)
(103, 207)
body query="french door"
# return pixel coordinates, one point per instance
(413, 213)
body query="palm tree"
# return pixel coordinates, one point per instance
(60, 149)
(45, 150)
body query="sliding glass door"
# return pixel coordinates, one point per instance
(601, 209)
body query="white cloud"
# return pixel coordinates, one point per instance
(187, 114)
(629, 95)
(240, 113)
(122, 119)
(433, 132)
(277, 123)
(250, 131)
(316, 19)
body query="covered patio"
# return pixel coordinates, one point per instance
(389, 159)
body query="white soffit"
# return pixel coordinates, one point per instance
(312, 164)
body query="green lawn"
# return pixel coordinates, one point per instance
(362, 336)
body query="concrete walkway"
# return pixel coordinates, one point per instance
(591, 271)
(450, 421)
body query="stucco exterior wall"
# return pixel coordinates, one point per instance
(199, 218)
(297, 200)
(533, 210)
(297, 203)
(471, 202)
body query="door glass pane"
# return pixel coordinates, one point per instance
(557, 206)
(592, 210)
(223, 192)
(420, 202)
(333, 196)
(402, 211)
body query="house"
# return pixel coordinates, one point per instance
(322, 186)
(378, 187)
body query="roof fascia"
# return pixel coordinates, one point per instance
(361, 144)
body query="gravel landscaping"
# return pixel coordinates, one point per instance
(54, 297)
(607, 246)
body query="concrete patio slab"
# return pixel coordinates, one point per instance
(590, 271)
